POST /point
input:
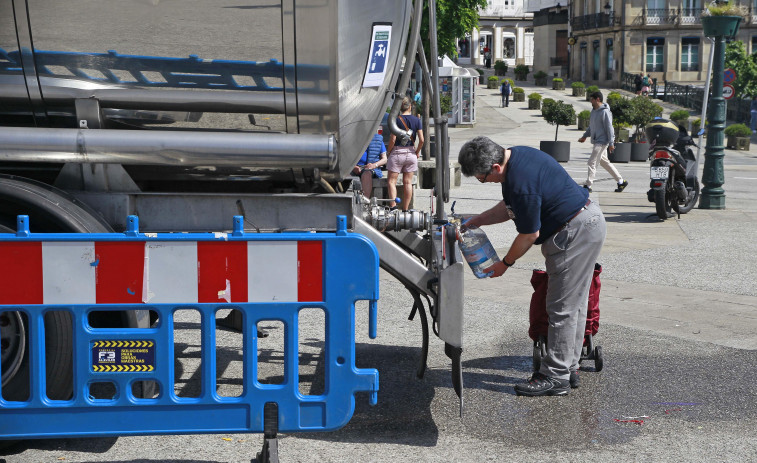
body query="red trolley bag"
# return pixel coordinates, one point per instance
(539, 321)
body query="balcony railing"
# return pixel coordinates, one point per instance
(691, 15)
(594, 21)
(660, 16)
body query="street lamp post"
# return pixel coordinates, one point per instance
(713, 194)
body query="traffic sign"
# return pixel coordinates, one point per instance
(728, 92)
(729, 76)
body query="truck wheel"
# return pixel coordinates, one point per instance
(50, 210)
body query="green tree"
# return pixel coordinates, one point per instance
(558, 114)
(454, 18)
(745, 66)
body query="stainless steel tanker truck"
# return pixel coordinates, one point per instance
(144, 143)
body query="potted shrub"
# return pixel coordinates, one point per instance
(583, 119)
(545, 103)
(620, 107)
(696, 124)
(500, 67)
(519, 94)
(521, 72)
(481, 76)
(722, 19)
(738, 136)
(492, 82)
(681, 118)
(558, 114)
(579, 88)
(534, 100)
(643, 111)
(540, 78)
(558, 84)
(589, 90)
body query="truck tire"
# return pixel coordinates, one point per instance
(49, 210)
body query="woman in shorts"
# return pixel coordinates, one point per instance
(403, 158)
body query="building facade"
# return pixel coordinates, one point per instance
(606, 38)
(662, 38)
(505, 32)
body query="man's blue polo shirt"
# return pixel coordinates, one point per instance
(539, 193)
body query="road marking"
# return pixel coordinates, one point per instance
(746, 178)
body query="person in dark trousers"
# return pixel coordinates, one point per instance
(549, 209)
(506, 89)
(603, 141)
(637, 83)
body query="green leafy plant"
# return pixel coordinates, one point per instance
(620, 107)
(445, 101)
(559, 113)
(545, 103)
(591, 89)
(480, 71)
(643, 111)
(500, 67)
(534, 96)
(512, 83)
(518, 90)
(745, 65)
(724, 9)
(578, 85)
(680, 117)
(540, 75)
(521, 71)
(556, 79)
(585, 114)
(738, 130)
(493, 79)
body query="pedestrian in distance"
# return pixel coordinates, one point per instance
(549, 209)
(506, 90)
(403, 154)
(369, 165)
(637, 81)
(753, 111)
(646, 81)
(603, 141)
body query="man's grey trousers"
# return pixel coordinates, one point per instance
(570, 256)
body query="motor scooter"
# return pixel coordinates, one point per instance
(673, 186)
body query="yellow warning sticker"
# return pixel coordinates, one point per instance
(123, 356)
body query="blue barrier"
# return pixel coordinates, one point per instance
(348, 264)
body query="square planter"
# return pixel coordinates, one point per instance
(534, 104)
(492, 84)
(583, 124)
(560, 150)
(739, 143)
(558, 85)
(639, 152)
(717, 26)
(579, 91)
(542, 81)
(621, 153)
(519, 97)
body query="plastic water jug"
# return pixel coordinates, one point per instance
(478, 251)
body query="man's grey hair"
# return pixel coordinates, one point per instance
(479, 155)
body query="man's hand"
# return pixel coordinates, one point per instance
(582, 139)
(496, 270)
(611, 148)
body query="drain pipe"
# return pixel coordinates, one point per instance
(415, 34)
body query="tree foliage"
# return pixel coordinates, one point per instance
(643, 111)
(454, 18)
(559, 113)
(745, 66)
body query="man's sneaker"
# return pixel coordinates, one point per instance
(540, 384)
(588, 188)
(575, 380)
(621, 186)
